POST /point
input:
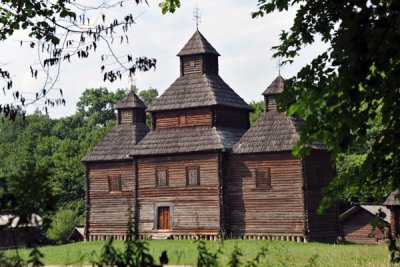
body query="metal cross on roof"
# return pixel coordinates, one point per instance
(197, 16)
(279, 65)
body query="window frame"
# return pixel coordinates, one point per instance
(159, 169)
(267, 184)
(111, 179)
(197, 168)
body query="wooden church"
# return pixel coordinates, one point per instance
(201, 170)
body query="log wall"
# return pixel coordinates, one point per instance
(276, 211)
(184, 118)
(357, 229)
(233, 118)
(199, 64)
(125, 116)
(108, 210)
(318, 172)
(194, 209)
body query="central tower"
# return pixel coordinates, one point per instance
(198, 56)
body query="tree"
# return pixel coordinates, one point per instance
(40, 168)
(345, 89)
(62, 225)
(97, 105)
(258, 109)
(63, 31)
(148, 96)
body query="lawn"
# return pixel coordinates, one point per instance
(280, 253)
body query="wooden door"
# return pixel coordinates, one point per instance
(163, 218)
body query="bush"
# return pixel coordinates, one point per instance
(62, 225)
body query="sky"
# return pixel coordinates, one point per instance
(246, 62)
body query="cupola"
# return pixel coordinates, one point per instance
(198, 56)
(131, 109)
(270, 94)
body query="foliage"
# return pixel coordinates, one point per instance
(236, 254)
(64, 31)
(184, 252)
(96, 105)
(35, 258)
(170, 6)
(136, 251)
(343, 90)
(148, 96)
(41, 169)
(207, 258)
(258, 109)
(63, 222)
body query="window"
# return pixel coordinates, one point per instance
(127, 182)
(114, 183)
(192, 176)
(263, 178)
(161, 177)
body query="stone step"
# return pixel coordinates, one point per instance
(160, 236)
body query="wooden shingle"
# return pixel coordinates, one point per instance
(197, 44)
(187, 139)
(198, 90)
(276, 87)
(130, 100)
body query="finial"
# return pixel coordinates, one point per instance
(133, 84)
(279, 65)
(197, 16)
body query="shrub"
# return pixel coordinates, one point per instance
(62, 225)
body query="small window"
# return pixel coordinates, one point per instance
(191, 63)
(263, 178)
(114, 183)
(162, 177)
(127, 182)
(192, 176)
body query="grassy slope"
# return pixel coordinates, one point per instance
(279, 253)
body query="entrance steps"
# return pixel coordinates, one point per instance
(160, 236)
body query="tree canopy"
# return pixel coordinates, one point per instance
(348, 96)
(40, 168)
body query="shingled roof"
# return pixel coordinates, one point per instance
(130, 100)
(273, 131)
(118, 143)
(197, 44)
(393, 199)
(275, 87)
(198, 90)
(187, 139)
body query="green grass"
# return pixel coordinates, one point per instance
(279, 253)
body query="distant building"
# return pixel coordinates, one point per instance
(393, 204)
(14, 234)
(356, 224)
(201, 169)
(78, 234)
